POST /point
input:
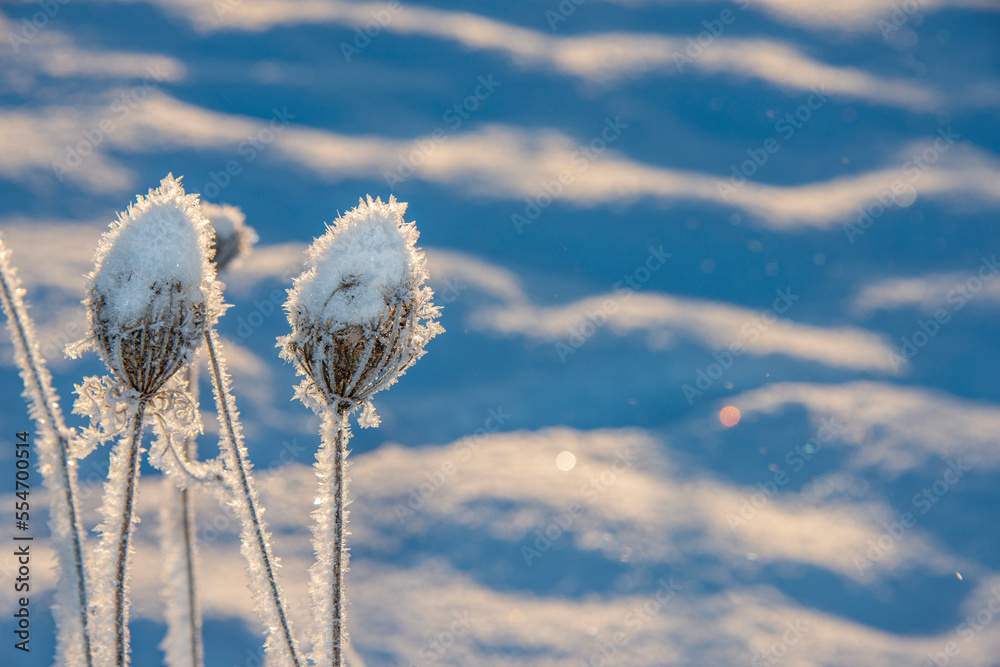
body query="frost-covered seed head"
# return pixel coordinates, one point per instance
(360, 314)
(232, 237)
(153, 290)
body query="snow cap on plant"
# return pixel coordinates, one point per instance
(232, 237)
(360, 312)
(152, 290)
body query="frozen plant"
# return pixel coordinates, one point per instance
(360, 316)
(183, 644)
(150, 297)
(73, 647)
(153, 299)
(232, 238)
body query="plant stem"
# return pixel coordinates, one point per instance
(329, 540)
(255, 542)
(127, 452)
(194, 612)
(341, 554)
(184, 644)
(66, 528)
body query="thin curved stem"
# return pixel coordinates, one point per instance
(129, 451)
(194, 611)
(43, 403)
(246, 494)
(184, 643)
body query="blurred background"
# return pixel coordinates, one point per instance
(720, 284)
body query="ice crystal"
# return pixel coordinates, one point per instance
(281, 645)
(153, 290)
(150, 298)
(360, 317)
(360, 314)
(73, 645)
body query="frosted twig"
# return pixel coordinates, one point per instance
(184, 644)
(330, 540)
(190, 558)
(150, 297)
(115, 548)
(73, 636)
(256, 547)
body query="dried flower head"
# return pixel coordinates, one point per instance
(152, 290)
(360, 312)
(232, 237)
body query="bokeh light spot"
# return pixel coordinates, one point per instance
(823, 487)
(566, 461)
(729, 416)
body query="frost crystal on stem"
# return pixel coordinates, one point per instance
(281, 645)
(150, 297)
(183, 644)
(74, 646)
(360, 316)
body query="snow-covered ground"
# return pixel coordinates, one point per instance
(636, 213)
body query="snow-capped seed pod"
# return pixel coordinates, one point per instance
(360, 317)
(153, 291)
(360, 313)
(232, 237)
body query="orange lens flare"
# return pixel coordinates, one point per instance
(729, 416)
